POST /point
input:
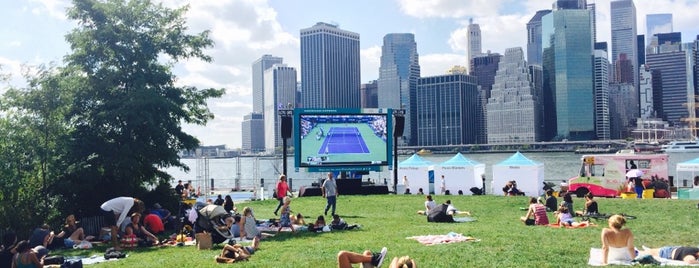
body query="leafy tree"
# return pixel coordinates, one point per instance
(128, 110)
(32, 148)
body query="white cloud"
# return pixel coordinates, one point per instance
(370, 59)
(449, 8)
(53, 8)
(439, 64)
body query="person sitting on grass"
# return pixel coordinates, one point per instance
(590, 206)
(145, 238)
(429, 204)
(538, 212)
(71, 234)
(248, 228)
(551, 201)
(345, 259)
(26, 257)
(617, 243)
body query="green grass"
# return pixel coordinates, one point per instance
(388, 219)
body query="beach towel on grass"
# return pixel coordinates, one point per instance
(582, 225)
(596, 260)
(464, 219)
(443, 239)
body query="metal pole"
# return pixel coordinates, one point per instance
(395, 164)
(284, 155)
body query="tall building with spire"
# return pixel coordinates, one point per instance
(398, 76)
(512, 110)
(474, 41)
(330, 70)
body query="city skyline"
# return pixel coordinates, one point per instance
(245, 31)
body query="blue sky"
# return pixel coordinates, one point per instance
(244, 30)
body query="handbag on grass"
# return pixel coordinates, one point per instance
(203, 240)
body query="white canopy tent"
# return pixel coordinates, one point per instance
(690, 167)
(528, 174)
(417, 172)
(460, 173)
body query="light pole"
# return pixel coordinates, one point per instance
(398, 123)
(286, 130)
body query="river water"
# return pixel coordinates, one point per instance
(255, 172)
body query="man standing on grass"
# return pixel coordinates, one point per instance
(330, 193)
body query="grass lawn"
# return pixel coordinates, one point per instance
(387, 220)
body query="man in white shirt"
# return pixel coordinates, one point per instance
(115, 211)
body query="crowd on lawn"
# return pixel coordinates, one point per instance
(132, 225)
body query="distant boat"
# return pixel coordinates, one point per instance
(424, 152)
(681, 147)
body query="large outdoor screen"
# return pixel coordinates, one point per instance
(342, 139)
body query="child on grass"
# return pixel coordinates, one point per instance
(285, 218)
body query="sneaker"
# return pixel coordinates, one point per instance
(377, 258)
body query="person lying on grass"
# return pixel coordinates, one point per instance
(233, 253)
(689, 255)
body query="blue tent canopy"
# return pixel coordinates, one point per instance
(460, 160)
(518, 159)
(414, 161)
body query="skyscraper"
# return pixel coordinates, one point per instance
(369, 94)
(534, 38)
(280, 91)
(624, 40)
(253, 127)
(646, 93)
(601, 75)
(567, 67)
(484, 68)
(657, 23)
(474, 41)
(512, 111)
(447, 110)
(398, 75)
(330, 71)
(670, 97)
(258, 84)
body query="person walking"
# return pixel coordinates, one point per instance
(330, 193)
(282, 190)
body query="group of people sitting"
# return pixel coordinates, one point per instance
(33, 251)
(440, 213)
(538, 208)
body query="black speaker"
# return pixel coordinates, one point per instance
(286, 127)
(398, 126)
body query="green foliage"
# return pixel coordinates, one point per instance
(107, 122)
(128, 110)
(387, 220)
(33, 147)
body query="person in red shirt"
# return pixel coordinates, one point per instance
(282, 190)
(153, 223)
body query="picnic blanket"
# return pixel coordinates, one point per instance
(596, 260)
(451, 237)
